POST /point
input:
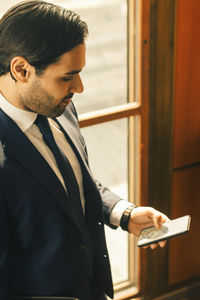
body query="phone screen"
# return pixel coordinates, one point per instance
(168, 230)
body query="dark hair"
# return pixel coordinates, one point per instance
(40, 32)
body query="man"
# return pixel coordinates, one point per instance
(52, 210)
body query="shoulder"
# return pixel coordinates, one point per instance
(69, 116)
(71, 111)
(72, 108)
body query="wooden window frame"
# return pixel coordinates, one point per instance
(137, 106)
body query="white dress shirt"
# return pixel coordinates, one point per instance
(25, 121)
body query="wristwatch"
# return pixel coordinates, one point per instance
(126, 216)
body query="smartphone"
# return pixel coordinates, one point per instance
(168, 230)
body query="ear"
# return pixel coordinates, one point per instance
(20, 69)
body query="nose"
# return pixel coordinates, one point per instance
(77, 85)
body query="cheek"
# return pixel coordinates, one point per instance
(56, 88)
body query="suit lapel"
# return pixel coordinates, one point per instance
(70, 131)
(17, 145)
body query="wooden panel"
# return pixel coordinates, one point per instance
(160, 127)
(187, 84)
(184, 258)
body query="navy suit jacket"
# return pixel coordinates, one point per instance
(46, 248)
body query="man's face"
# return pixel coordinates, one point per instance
(48, 94)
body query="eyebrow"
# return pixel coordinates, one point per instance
(73, 72)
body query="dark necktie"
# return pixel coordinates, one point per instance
(62, 162)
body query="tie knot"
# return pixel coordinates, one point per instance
(43, 124)
(40, 119)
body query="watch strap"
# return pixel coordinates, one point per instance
(126, 217)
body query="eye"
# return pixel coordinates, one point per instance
(67, 79)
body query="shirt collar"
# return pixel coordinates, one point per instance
(24, 119)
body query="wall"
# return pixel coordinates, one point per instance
(174, 145)
(184, 258)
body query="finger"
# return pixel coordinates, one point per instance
(153, 246)
(159, 218)
(162, 244)
(164, 218)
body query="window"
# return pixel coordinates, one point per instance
(109, 112)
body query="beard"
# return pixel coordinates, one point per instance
(37, 100)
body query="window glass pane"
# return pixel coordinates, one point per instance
(105, 74)
(107, 148)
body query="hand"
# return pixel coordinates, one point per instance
(143, 217)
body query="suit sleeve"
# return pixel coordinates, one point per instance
(3, 238)
(109, 200)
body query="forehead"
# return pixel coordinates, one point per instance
(70, 61)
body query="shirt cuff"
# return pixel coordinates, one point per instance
(118, 211)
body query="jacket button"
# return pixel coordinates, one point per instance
(85, 283)
(81, 246)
